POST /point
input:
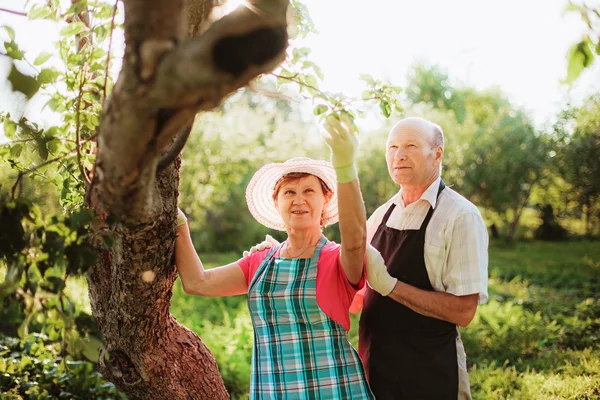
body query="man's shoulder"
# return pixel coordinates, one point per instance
(456, 204)
(380, 211)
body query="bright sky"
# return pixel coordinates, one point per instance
(519, 45)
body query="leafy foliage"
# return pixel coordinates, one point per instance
(34, 369)
(43, 248)
(578, 158)
(536, 339)
(581, 55)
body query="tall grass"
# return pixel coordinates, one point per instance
(537, 338)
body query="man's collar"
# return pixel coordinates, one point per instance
(430, 194)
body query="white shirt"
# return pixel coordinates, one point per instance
(456, 239)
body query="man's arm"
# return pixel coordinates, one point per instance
(465, 270)
(458, 310)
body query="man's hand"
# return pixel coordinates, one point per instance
(378, 276)
(265, 244)
(343, 142)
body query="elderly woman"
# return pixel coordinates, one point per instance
(300, 291)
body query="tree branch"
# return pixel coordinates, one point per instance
(110, 39)
(166, 79)
(20, 13)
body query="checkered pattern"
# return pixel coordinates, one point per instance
(299, 352)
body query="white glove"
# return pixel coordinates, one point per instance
(343, 142)
(378, 276)
(265, 244)
(181, 218)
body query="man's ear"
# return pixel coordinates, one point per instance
(439, 153)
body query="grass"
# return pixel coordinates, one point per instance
(537, 338)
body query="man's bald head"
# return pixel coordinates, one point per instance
(424, 127)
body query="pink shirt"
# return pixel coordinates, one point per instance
(334, 292)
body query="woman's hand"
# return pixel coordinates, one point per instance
(181, 218)
(342, 139)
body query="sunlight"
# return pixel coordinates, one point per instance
(231, 5)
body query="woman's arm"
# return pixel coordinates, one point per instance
(343, 141)
(228, 280)
(353, 229)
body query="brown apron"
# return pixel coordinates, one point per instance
(406, 354)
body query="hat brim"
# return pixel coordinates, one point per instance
(259, 193)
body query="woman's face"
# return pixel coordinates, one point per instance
(300, 203)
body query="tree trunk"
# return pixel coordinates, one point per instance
(519, 207)
(588, 213)
(165, 80)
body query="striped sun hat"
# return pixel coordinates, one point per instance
(259, 193)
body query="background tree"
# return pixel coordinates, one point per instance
(578, 159)
(493, 154)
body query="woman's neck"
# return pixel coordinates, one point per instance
(301, 242)
(300, 238)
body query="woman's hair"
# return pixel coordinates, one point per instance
(294, 176)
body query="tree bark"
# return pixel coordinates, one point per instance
(166, 78)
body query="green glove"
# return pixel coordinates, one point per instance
(343, 142)
(181, 218)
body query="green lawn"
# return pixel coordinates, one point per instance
(537, 338)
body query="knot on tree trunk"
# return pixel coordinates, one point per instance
(119, 366)
(235, 54)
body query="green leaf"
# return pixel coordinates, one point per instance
(13, 51)
(51, 132)
(42, 58)
(320, 109)
(367, 78)
(48, 75)
(76, 8)
(10, 128)
(367, 94)
(73, 29)
(91, 348)
(80, 217)
(39, 11)
(43, 151)
(311, 80)
(53, 145)
(98, 54)
(16, 150)
(385, 108)
(53, 284)
(10, 31)
(579, 57)
(23, 83)
(570, 8)
(56, 105)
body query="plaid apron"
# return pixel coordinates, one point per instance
(299, 352)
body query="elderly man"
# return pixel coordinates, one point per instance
(434, 243)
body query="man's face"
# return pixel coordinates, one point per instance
(412, 158)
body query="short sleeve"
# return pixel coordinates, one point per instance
(250, 263)
(334, 291)
(467, 265)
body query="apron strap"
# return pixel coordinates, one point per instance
(263, 265)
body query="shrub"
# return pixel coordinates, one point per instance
(33, 368)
